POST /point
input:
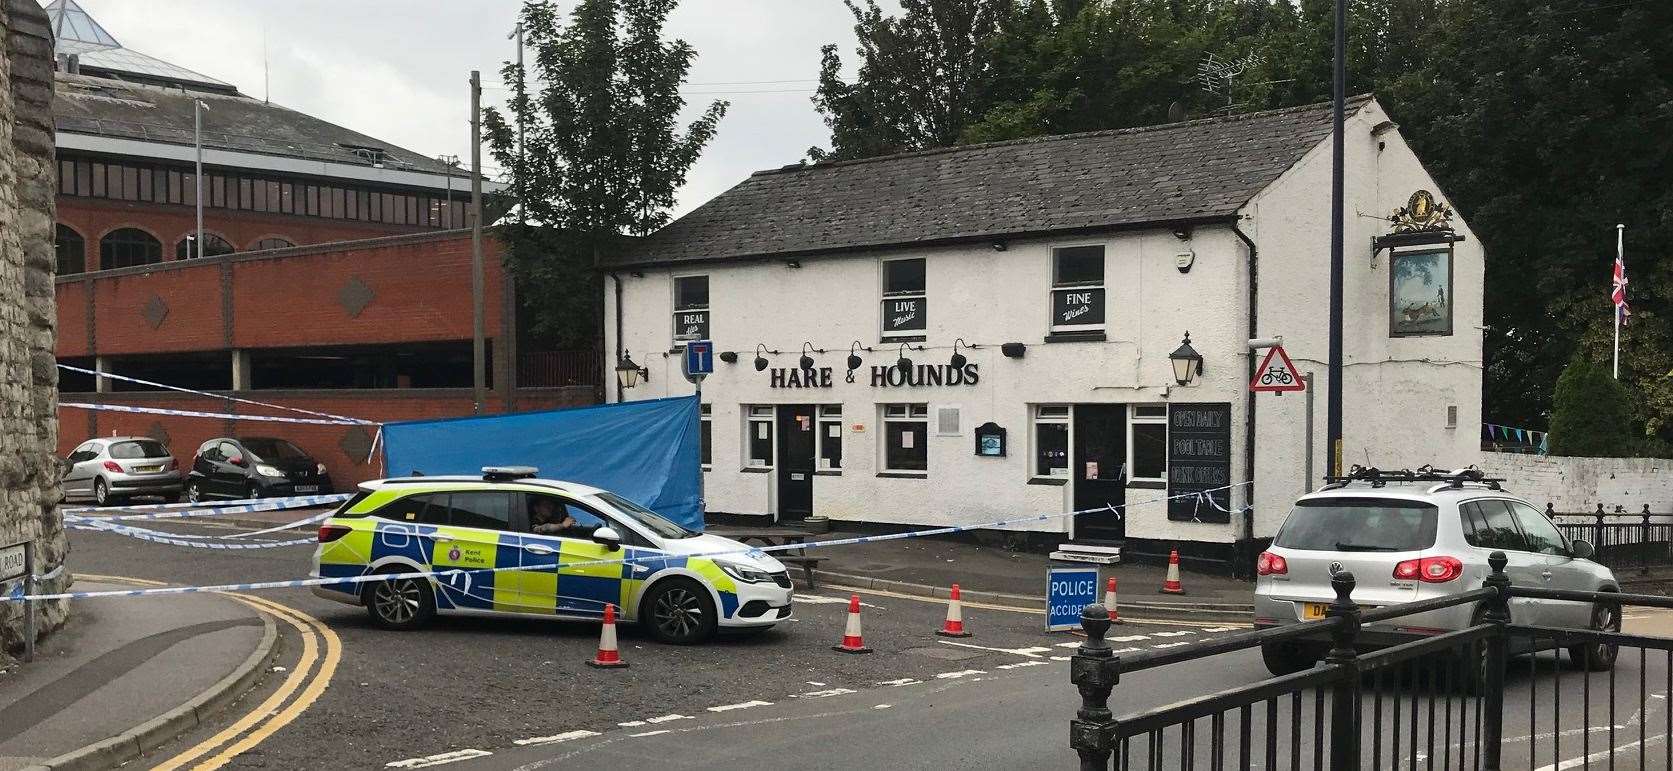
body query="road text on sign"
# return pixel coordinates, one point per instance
(1277, 374)
(12, 562)
(1067, 591)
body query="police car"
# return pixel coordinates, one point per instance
(476, 534)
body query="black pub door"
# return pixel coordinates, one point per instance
(796, 425)
(1099, 469)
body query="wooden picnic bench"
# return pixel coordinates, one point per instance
(777, 536)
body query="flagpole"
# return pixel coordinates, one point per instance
(1620, 256)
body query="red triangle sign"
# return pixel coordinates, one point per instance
(1277, 376)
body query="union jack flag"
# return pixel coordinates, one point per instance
(1619, 293)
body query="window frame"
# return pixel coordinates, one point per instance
(827, 415)
(1060, 286)
(1066, 419)
(887, 296)
(763, 414)
(679, 309)
(1135, 419)
(1469, 537)
(129, 243)
(910, 413)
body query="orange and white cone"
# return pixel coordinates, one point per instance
(608, 656)
(851, 642)
(1109, 601)
(954, 626)
(1171, 584)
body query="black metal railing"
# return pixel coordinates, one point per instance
(1620, 540)
(556, 369)
(1433, 701)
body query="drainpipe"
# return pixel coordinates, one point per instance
(609, 368)
(1249, 396)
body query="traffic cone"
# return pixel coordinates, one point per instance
(954, 626)
(1171, 584)
(608, 657)
(851, 642)
(1109, 601)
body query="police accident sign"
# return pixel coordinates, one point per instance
(1068, 590)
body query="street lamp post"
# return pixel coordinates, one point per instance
(1333, 397)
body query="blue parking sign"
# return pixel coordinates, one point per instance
(699, 358)
(1067, 591)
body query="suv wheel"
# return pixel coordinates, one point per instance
(1598, 656)
(400, 604)
(680, 612)
(1287, 658)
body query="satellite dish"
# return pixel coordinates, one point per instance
(1176, 112)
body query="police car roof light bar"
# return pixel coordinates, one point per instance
(508, 473)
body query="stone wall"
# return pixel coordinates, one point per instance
(28, 374)
(1578, 485)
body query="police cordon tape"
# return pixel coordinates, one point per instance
(17, 591)
(241, 506)
(216, 415)
(650, 558)
(154, 384)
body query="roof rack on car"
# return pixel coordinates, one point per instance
(508, 473)
(1449, 478)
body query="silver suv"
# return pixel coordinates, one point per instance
(1416, 536)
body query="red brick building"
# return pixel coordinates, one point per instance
(334, 272)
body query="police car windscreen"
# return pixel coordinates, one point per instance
(656, 522)
(1358, 524)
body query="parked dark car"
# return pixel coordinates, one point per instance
(254, 467)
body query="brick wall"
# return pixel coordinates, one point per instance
(1577, 485)
(94, 217)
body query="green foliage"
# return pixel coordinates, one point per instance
(1543, 121)
(1591, 413)
(603, 153)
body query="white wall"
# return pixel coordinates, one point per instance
(1577, 485)
(1396, 390)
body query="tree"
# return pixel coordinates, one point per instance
(1591, 413)
(603, 152)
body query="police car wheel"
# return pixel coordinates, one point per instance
(680, 612)
(403, 603)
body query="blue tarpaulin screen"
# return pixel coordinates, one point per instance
(646, 451)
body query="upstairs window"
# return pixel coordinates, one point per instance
(128, 247)
(71, 249)
(691, 308)
(905, 311)
(1077, 289)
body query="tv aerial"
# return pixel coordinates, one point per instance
(1216, 75)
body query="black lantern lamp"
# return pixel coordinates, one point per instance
(806, 360)
(628, 373)
(958, 361)
(760, 361)
(1187, 363)
(854, 361)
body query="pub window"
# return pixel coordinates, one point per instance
(71, 249)
(1147, 443)
(691, 308)
(904, 302)
(1077, 289)
(760, 427)
(829, 438)
(1051, 440)
(706, 435)
(213, 246)
(128, 247)
(905, 429)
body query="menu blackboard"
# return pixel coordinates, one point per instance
(1199, 459)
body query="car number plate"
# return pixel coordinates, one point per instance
(307, 488)
(1313, 611)
(147, 469)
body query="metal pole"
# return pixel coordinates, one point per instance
(28, 605)
(702, 501)
(1491, 672)
(1620, 256)
(197, 142)
(479, 352)
(1333, 400)
(1307, 453)
(517, 173)
(1344, 693)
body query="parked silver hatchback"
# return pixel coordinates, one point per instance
(1409, 536)
(111, 470)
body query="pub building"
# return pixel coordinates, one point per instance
(1059, 324)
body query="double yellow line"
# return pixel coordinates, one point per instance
(306, 682)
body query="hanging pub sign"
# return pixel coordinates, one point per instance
(1199, 461)
(1077, 307)
(905, 315)
(1420, 292)
(691, 325)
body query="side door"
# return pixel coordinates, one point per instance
(557, 569)
(78, 472)
(1490, 526)
(1561, 570)
(226, 477)
(476, 539)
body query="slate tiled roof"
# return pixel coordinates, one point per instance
(1169, 173)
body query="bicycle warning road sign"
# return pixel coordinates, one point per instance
(1277, 374)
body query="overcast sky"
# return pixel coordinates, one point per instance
(399, 70)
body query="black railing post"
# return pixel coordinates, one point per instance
(1094, 670)
(1597, 529)
(1644, 542)
(1497, 612)
(1344, 695)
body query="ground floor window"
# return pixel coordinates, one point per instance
(760, 442)
(905, 427)
(706, 435)
(829, 437)
(1147, 442)
(1051, 440)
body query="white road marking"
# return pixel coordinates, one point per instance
(1221, 629)
(1021, 664)
(814, 599)
(1169, 645)
(959, 674)
(822, 694)
(883, 706)
(632, 724)
(650, 733)
(1126, 650)
(1059, 658)
(1029, 652)
(667, 718)
(740, 705)
(1069, 645)
(815, 683)
(1608, 753)
(1180, 633)
(437, 760)
(1130, 638)
(554, 739)
(901, 682)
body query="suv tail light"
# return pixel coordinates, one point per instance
(1269, 564)
(329, 533)
(111, 466)
(1430, 570)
